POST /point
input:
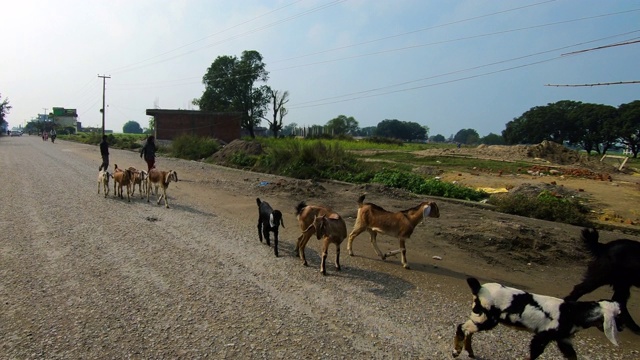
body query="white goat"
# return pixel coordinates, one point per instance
(103, 181)
(375, 219)
(162, 179)
(549, 318)
(332, 230)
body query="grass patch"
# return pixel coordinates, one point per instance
(545, 206)
(193, 147)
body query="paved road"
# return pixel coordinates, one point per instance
(86, 277)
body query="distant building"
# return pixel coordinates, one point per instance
(65, 118)
(170, 124)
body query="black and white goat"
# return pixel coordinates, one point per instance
(269, 220)
(616, 263)
(549, 318)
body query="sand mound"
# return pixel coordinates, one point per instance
(237, 146)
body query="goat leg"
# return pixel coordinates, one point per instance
(621, 295)
(338, 257)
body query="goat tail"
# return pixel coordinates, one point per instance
(590, 239)
(474, 284)
(300, 207)
(258, 201)
(361, 200)
(610, 309)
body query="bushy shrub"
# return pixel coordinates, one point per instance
(420, 185)
(545, 206)
(384, 140)
(309, 160)
(193, 147)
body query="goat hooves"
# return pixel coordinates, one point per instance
(406, 266)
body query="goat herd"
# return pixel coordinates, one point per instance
(616, 263)
(145, 180)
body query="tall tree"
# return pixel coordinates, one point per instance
(4, 110)
(592, 127)
(630, 126)
(467, 136)
(132, 127)
(278, 100)
(551, 122)
(492, 139)
(342, 125)
(230, 85)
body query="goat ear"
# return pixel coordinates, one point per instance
(426, 212)
(609, 312)
(282, 222)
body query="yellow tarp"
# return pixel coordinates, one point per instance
(489, 190)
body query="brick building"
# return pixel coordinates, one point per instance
(170, 124)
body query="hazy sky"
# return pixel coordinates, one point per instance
(446, 64)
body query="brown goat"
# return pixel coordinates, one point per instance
(122, 178)
(375, 219)
(139, 178)
(305, 215)
(160, 178)
(332, 230)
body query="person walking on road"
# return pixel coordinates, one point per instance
(104, 151)
(148, 151)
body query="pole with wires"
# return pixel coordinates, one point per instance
(104, 80)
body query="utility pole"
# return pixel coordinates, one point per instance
(104, 80)
(45, 118)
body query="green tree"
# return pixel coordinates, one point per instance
(403, 130)
(278, 100)
(289, 129)
(492, 139)
(593, 127)
(467, 136)
(5, 108)
(230, 86)
(551, 122)
(342, 125)
(131, 127)
(630, 126)
(437, 138)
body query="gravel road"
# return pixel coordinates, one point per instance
(84, 277)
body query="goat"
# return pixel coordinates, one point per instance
(269, 220)
(549, 318)
(375, 219)
(122, 178)
(617, 264)
(160, 178)
(139, 178)
(103, 181)
(305, 215)
(332, 230)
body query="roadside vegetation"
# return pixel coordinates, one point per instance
(360, 162)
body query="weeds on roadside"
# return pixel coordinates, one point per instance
(193, 147)
(433, 187)
(545, 206)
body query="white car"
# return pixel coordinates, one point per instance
(16, 133)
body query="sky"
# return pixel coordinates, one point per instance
(445, 64)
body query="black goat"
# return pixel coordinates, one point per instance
(550, 319)
(617, 264)
(268, 221)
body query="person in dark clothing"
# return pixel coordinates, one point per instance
(149, 152)
(104, 151)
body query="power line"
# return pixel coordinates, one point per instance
(598, 84)
(603, 47)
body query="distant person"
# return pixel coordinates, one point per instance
(52, 133)
(148, 151)
(104, 151)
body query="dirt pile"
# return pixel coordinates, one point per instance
(223, 155)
